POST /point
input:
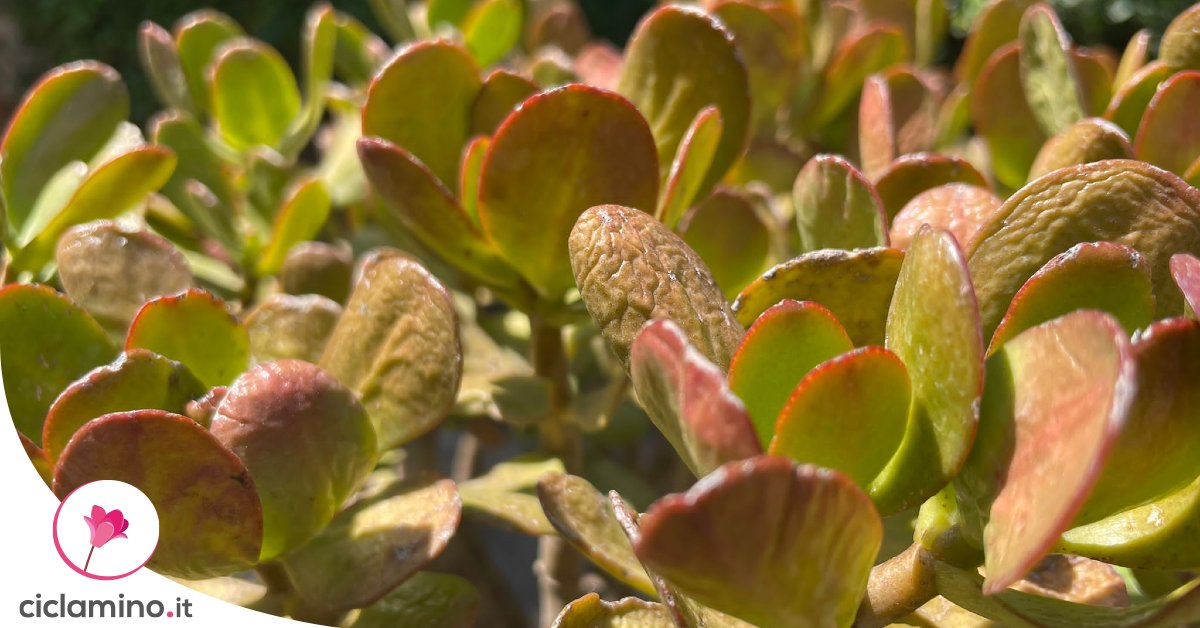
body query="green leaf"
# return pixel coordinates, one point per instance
(678, 63)
(1135, 56)
(766, 41)
(997, 24)
(959, 208)
(693, 159)
(111, 271)
(590, 611)
(376, 544)
(1090, 139)
(868, 391)
(617, 251)
(67, 116)
(1126, 202)
(1130, 101)
(198, 36)
(501, 92)
(198, 161)
(688, 399)
(492, 29)
(451, 12)
(807, 561)
(836, 207)
(1048, 74)
(787, 341)
(210, 520)
(300, 218)
(53, 198)
(599, 150)
(910, 175)
(506, 493)
(255, 98)
(160, 61)
(856, 287)
(320, 39)
(268, 412)
(48, 343)
(1003, 117)
(318, 268)
(585, 519)
(1166, 137)
(426, 599)
(933, 326)
(196, 329)
(1101, 276)
(398, 347)
(358, 52)
(138, 380)
(422, 100)
(1094, 69)
(468, 183)
(288, 327)
(1180, 47)
(729, 234)
(858, 56)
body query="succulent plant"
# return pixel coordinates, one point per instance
(769, 317)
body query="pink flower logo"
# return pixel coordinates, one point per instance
(105, 526)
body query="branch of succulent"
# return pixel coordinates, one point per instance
(770, 317)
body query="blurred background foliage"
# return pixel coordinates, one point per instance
(36, 35)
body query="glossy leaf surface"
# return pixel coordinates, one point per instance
(194, 328)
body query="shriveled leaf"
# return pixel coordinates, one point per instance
(426, 599)
(300, 218)
(500, 93)
(138, 380)
(910, 175)
(506, 493)
(678, 62)
(48, 342)
(933, 326)
(728, 233)
(1090, 139)
(1168, 136)
(590, 611)
(1127, 202)
(293, 327)
(1180, 47)
(807, 561)
(1048, 74)
(856, 286)
(691, 162)
(836, 207)
(631, 269)
(586, 520)
(959, 208)
(787, 341)
(255, 97)
(601, 151)
(688, 399)
(1003, 117)
(112, 271)
(1101, 276)
(194, 328)
(210, 519)
(848, 414)
(398, 347)
(376, 544)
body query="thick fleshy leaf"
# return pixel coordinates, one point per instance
(590, 611)
(1185, 269)
(319, 40)
(108, 191)
(138, 380)
(910, 175)
(816, 535)
(1127, 202)
(959, 208)
(198, 164)
(376, 544)
(398, 347)
(858, 56)
(255, 97)
(1090, 139)
(67, 116)
(856, 286)
(1003, 117)
(426, 599)
(836, 207)
(160, 60)
(318, 268)
(194, 328)
(767, 42)
(688, 399)
(787, 341)
(358, 52)
(997, 24)
(876, 127)
(38, 459)
(198, 36)
(586, 520)
(1134, 57)
(300, 218)
(933, 326)
(848, 414)
(692, 161)
(468, 176)
(1094, 70)
(506, 493)
(602, 151)
(112, 271)
(1168, 136)
(897, 115)
(422, 100)
(1048, 75)
(48, 342)
(268, 412)
(1101, 276)
(631, 269)
(1130, 101)
(500, 93)
(492, 28)
(293, 327)
(679, 62)
(1180, 47)
(210, 519)
(729, 234)
(421, 205)
(1057, 397)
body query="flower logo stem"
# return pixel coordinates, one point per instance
(104, 526)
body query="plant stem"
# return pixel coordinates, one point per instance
(558, 565)
(898, 587)
(89, 559)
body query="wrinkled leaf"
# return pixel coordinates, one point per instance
(590, 611)
(1090, 139)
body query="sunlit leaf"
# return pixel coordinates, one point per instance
(194, 328)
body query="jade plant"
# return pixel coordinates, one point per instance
(776, 317)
